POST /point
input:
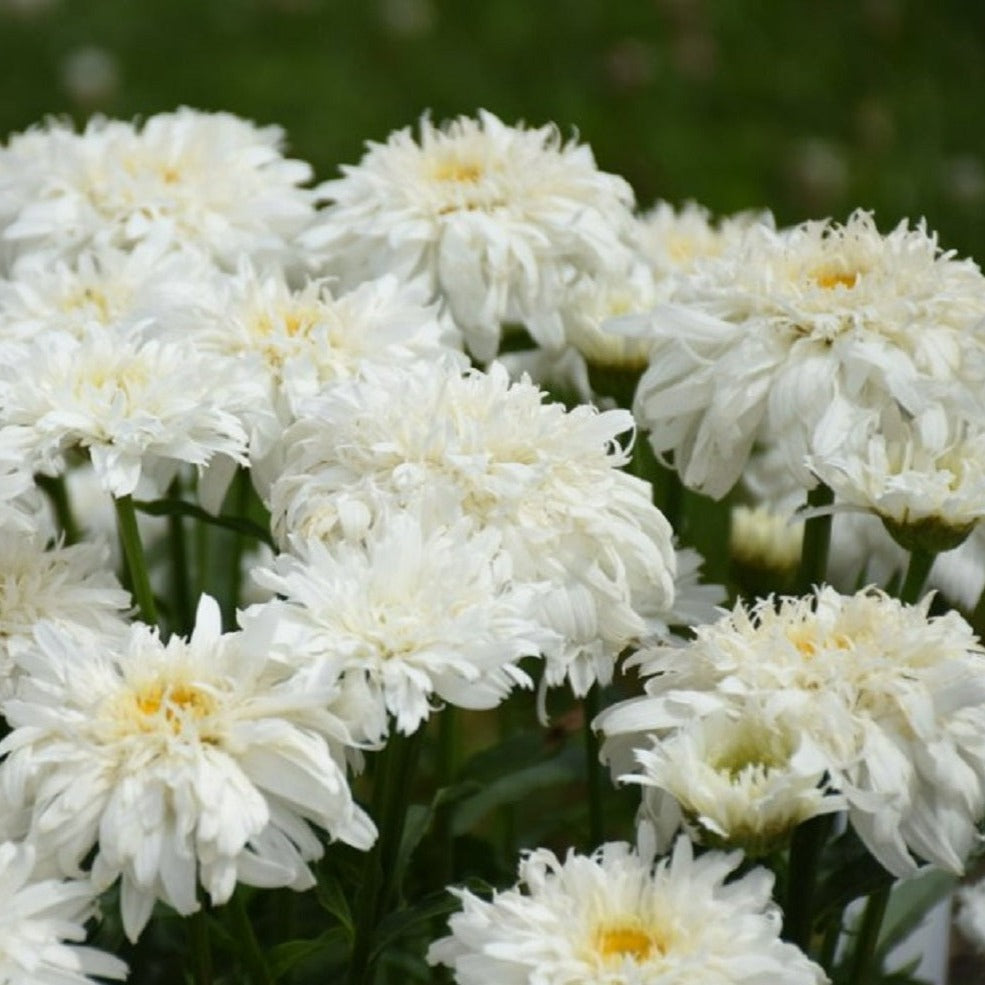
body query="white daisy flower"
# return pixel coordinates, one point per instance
(42, 925)
(894, 699)
(492, 218)
(806, 326)
(734, 782)
(199, 760)
(546, 479)
(71, 587)
(925, 479)
(139, 409)
(210, 180)
(970, 918)
(299, 341)
(614, 917)
(410, 614)
(104, 286)
(763, 538)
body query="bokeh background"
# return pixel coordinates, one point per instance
(810, 107)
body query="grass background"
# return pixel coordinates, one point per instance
(810, 107)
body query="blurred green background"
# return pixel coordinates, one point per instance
(810, 107)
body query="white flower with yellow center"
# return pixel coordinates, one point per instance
(614, 917)
(140, 409)
(196, 761)
(42, 926)
(546, 479)
(411, 615)
(301, 340)
(805, 326)
(492, 218)
(69, 586)
(734, 781)
(209, 180)
(894, 699)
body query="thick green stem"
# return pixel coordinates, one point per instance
(391, 798)
(868, 936)
(126, 522)
(817, 539)
(806, 847)
(201, 948)
(591, 705)
(252, 953)
(916, 574)
(54, 489)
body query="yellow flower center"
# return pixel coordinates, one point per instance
(628, 941)
(464, 172)
(178, 702)
(830, 279)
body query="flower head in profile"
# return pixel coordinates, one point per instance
(890, 696)
(808, 325)
(614, 917)
(491, 218)
(408, 614)
(42, 926)
(196, 761)
(546, 479)
(208, 180)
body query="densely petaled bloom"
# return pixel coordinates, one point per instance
(614, 917)
(892, 698)
(209, 180)
(297, 341)
(546, 479)
(797, 326)
(734, 782)
(70, 586)
(41, 925)
(139, 408)
(493, 219)
(201, 760)
(408, 614)
(925, 479)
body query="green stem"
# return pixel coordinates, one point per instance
(242, 489)
(806, 846)
(977, 618)
(817, 540)
(448, 744)
(829, 946)
(54, 489)
(391, 798)
(868, 936)
(183, 610)
(591, 706)
(126, 522)
(252, 954)
(201, 948)
(921, 562)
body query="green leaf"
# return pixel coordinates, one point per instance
(178, 507)
(332, 898)
(283, 957)
(910, 902)
(510, 789)
(850, 872)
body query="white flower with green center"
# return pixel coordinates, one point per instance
(42, 926)
(491, 218)
(805, 326)
(615, 917)
(734, 781)
(893, 698)
(546, 479)
(410, 615)
(924, 479)
(139, 408)
(196, 761)
(69, 586)
(207, 180)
